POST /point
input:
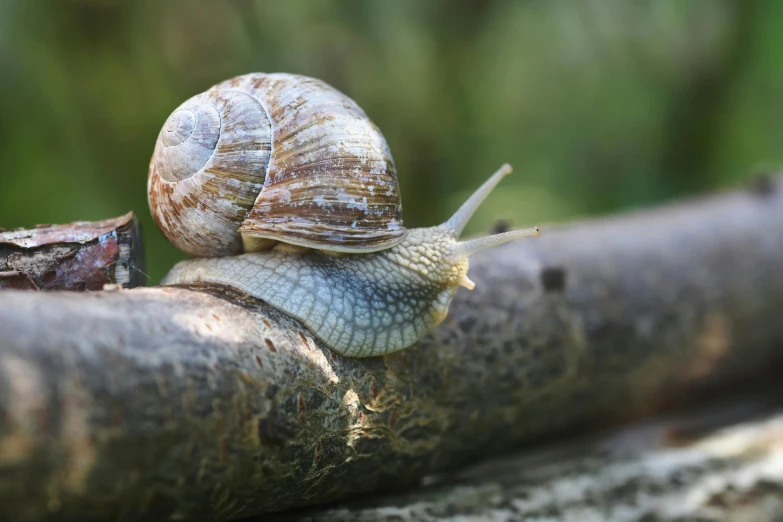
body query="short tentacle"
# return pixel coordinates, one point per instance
(464, 249)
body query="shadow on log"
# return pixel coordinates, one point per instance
(202, 403)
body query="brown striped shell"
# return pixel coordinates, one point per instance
(276, 157)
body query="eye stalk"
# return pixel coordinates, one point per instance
(459, 220)
(456, 224)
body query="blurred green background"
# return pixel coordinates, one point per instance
(599, 105)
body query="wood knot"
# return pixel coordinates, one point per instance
(553, 278)
(762, 185)
(500, 226)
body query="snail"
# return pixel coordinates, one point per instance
(282, 187)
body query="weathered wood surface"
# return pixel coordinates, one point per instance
(205, 404)
(657, 471)
(84, 255)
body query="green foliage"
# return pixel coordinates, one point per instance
(598, 105)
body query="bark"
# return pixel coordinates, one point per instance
(666, 470)
(202, 403)
(76, 256)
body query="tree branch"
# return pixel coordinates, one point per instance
(662, 470)
(202, 402)
(76, 256)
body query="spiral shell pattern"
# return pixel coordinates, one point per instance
(274, 156)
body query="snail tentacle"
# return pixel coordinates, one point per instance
(459, 220)
(464, 249)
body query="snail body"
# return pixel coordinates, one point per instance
(359, 305)
(323, 240)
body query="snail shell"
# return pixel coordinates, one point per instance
(262, 158)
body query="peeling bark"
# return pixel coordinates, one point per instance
(202, 403)
(75, 256)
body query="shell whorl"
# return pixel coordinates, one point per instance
(274, 156)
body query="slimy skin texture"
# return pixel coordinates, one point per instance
(361, 305)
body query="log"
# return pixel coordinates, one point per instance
(667, 470)
(77, 256)
(202, 403)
